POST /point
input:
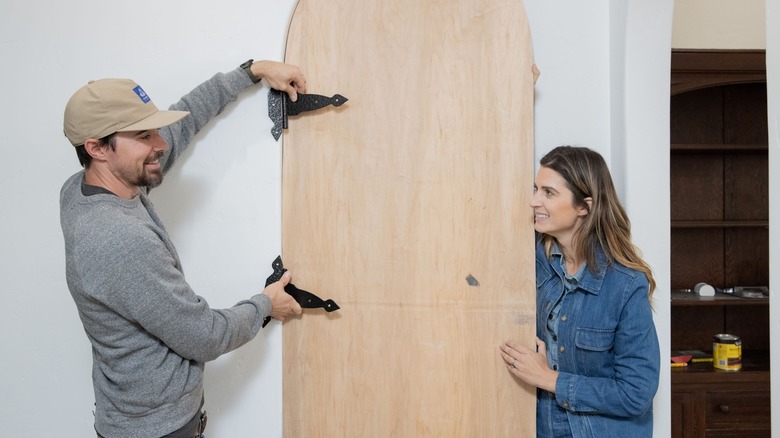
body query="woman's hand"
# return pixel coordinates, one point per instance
(528, 365)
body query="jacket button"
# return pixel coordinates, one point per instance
(566, 405)
(562, 349)
(564, 318)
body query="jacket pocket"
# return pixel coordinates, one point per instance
(595, 339)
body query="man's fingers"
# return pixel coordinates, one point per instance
(293, 94)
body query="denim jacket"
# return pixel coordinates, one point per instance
(608, 356)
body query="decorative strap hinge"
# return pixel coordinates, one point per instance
(280, 106)
(306, 299)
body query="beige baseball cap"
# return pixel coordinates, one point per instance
(107, 106)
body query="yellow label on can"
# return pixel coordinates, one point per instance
(727, 353)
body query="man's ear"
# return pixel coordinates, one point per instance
(93, 147)
(584, 211)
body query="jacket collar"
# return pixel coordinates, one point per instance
(591, 281)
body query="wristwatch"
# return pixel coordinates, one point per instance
(247, 66)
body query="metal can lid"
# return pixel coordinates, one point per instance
(725, 338)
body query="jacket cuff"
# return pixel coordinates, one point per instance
(564, 391)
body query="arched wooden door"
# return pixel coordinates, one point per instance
(409, 206)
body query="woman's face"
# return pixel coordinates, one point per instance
(554, 211)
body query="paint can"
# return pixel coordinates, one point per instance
(727, 352)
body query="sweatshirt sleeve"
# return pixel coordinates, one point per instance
(143, 284)
(205, 102)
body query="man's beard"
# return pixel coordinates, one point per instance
(150, 179)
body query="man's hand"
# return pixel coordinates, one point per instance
(282, 77)
(283, 303)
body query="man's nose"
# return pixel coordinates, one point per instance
(159, 142)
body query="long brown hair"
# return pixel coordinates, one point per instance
(606, 225)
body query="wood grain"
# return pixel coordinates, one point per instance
(391, 201)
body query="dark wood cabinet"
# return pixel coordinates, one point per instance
(707, 402)
(720, 235)
(720, 404)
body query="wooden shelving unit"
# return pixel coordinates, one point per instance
(720, 235)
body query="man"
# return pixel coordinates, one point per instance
(151, 334)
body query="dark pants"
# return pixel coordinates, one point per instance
(193, 429)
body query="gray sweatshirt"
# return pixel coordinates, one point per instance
(151, 334)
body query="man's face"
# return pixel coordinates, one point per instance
(135, 162)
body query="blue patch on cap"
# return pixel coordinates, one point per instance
(142, 94)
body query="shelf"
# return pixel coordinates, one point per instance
(720, 224)
(722, 148)
(755, 367)
(691, 299)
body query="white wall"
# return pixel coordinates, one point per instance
(643, 121)
(222, 207)
(719, 24)
(773, 110)
(604, 84)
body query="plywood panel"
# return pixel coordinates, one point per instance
(391, 201)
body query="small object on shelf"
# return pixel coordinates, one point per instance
(679, 364)
(747, 291)
(727, 352)
(692, 356)
(681, 358)
(704, 290)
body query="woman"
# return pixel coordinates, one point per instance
(597, 360)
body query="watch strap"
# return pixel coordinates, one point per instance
(247, 66)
